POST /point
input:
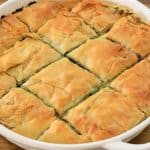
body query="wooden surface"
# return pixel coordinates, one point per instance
(142, 138)
(146, 2)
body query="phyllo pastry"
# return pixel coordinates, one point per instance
(98, 15)
(132, 33)
(27, 57)
(105, 114)
(66, 31)
(61, 132)
(103, 57)
(11, 30)
(25, 113)
(37, 14)
(135, 83)
(6, 83)
(69, 4)
(62, 84)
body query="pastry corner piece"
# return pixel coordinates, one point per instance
(26, 58)
(31, 56)
(135, 83)
(11, 30)
(99, 15)
(66, 31)
(62, 84)
(6, 83)
(104, 115)
(104, 58)
(60, 132)
(39, 12)
(25, 114)
(132, 33)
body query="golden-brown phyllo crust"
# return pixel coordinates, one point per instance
(103, 57)
(37, 14)
(135, 83)
(25, 113)
(132, 33)
(26, 58)
(60, 132)
(99, 16)
(105, 114)
(11, 30)
(6, 83)
(69, 3)
(62, 84)
(66, 31)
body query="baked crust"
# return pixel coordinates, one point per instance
(105, 114)
(103, 57)
(62, 84)
(132, 33)
(30, 56)
(6, 83)
(39, 13)
(69, 3)
(66, 31)
(25, 113)
(60, 132)
(135, 83)
(11, 30)
(101, 17)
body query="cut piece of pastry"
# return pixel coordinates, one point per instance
(103, 57)
(26, 57)
(101, 17)
(37, 14)
(11, 30)
(105, 114)
(135, 83)
(25, 113)
(6, 83)
(132, 33)
(61, 132)
(62, 84)
(66, 31)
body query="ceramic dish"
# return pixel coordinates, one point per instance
(118, 142)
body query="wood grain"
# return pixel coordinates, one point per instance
(5, 145)
(146, 2)
(142, 138)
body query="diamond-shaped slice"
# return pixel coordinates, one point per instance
(11, 30)
(25, 113)
(132, 33)
(98, 15)
(6, 83)
(135, 83)
(62, 84)
(66, 31)
(105, 114)
(103, 57)
(61, 132)
(37, 14)
(27, 57)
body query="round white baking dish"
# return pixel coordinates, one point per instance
(115, 143)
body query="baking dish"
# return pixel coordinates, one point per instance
(115, 143)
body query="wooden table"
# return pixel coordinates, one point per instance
(142, 138)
